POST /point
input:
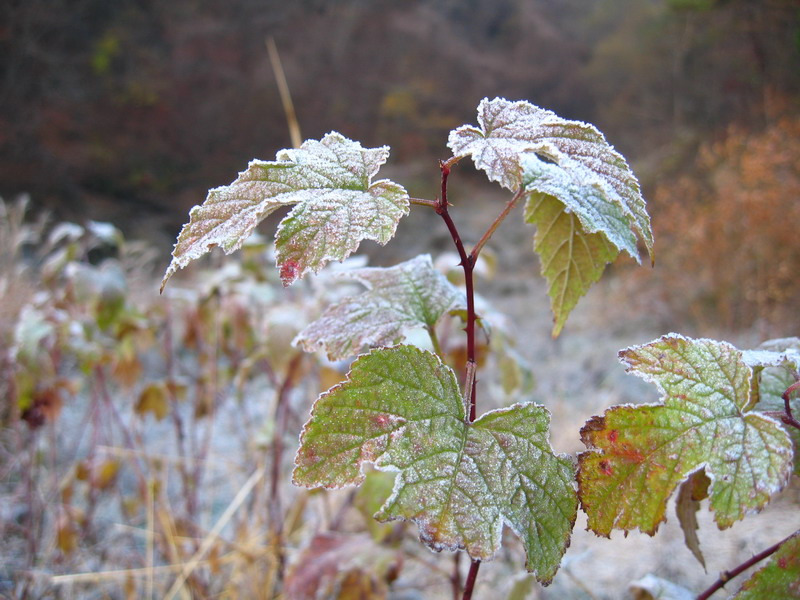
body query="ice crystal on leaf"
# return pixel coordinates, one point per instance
(509, 131)
(582, 196)
(639, 454)
(336, 206)
(401, 409)
(408, 295)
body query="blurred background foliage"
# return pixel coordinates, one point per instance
(135, 107)
(129, 111)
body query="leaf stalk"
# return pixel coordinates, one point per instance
(496, 223)
(789, 417)
(471, 576)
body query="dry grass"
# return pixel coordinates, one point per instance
(114, 493)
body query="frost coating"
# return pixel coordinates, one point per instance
(580, 192)
(507, 131)
(337, 206)
(408, 295)
(639, 454)
(401, 409)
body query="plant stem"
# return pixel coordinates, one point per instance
(726, 576)
(789, 418)
(471, 576)
(437, 347)
(468, 264)
(495, 224)
(423, 202)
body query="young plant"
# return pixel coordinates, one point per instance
(461, 476)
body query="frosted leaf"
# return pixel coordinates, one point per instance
(779, 359)
(779, 578)
(784, 352)
(639, 454)
(337, 206)
(577, 188)
(409, 295)
(509, 131)
(571, 259)
(401, 409)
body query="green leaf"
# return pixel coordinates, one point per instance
(779, 578)
(509, 132)
(337, 206)
(409, 295)
(401, 409)
(572, 260)
(639, 454)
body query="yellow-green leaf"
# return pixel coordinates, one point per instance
(639, 454)
(508, 133)
(571, 259)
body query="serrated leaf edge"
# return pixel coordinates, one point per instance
(595, 420)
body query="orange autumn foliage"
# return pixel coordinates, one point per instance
(728, 234)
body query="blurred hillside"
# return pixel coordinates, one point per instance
(132, 109)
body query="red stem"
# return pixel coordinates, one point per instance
(471, 576)
(726, 576)
(468, 264)
(789, 418)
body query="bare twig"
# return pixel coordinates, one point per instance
(455, 578)
(281, 417)
(726, 576)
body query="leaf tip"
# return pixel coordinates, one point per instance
(290, 271)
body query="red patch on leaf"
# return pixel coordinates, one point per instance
(308, 455)
(612, 436)
(605, 467)
(631, 453)
(380, 421)
(289, 272)
(782, 562)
